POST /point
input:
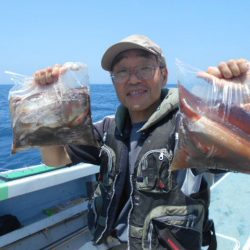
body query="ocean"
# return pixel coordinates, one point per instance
(103, 102)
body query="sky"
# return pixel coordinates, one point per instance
(39, 33)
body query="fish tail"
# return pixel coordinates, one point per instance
(188, 110)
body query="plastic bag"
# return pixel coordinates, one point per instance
(214, 125)
(56, 114)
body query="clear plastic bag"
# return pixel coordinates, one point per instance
(56, 114)
(214, 124)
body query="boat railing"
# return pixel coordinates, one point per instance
(42, 197)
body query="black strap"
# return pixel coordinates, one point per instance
(209, 236)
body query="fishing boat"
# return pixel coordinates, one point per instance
(49, 203)
(50, 206)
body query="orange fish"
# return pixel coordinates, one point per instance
(205, 143)
(238, 116)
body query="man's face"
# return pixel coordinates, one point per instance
(138, 81)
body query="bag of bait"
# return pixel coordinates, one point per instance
(55, 114)
(214, 131)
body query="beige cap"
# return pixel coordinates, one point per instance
(131, 42)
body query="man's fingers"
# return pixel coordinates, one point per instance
(47, 76)
(243, 65)
(55, 72)
(225, 70)
(238, 67)
(214, 71)
(230, 69)
(50, 75)
(42, 78)
(39, 77)
(234, 68)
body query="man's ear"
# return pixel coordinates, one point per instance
(164, 75)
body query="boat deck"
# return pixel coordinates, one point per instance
(229, 209)
(230, 198)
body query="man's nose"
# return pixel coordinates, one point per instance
(133, 78)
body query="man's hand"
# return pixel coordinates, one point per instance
(48, 75)
(229, 69)
(55, 156)
(230, 73)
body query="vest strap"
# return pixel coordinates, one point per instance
(209, 236)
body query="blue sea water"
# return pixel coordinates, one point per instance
(103, 101)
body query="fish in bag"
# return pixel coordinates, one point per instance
(56, 114)
(214, 130)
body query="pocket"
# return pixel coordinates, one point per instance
(99, 202)
(172, 227)
(175, 236)
(153, 170)
(107, 167)
(166, 238)
(98, 207)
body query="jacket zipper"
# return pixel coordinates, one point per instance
(163, 152)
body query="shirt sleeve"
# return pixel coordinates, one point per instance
(86, 153)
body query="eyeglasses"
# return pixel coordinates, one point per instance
(143, 72)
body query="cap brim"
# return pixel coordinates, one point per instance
(116, 49)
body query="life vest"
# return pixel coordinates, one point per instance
(161, 216)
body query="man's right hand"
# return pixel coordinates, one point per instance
(48, 75)
(55, 156)
(52, 155)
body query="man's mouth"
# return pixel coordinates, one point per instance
(137, 92)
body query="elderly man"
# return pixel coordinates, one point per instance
(138, 203)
